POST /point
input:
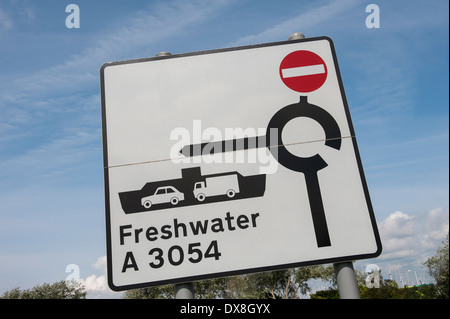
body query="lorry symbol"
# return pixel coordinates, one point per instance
(218, 185)
(166, 194)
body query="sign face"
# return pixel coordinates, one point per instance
(231, 161)
(303, 71)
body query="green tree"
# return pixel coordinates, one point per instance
(390, 290)
(57, 290)
(438, 268)
(161, 292)
(280, 284)
(210, 289)
(205, 289)
(386, 290)
(325, 294)
(288, 283)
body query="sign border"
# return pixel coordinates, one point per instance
(247, 270)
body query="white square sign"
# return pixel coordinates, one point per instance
(231, 161)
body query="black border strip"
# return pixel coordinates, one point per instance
(242, 271)
(106, 177)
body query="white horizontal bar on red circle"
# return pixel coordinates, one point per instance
(303, 70)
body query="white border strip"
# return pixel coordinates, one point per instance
(303, 70)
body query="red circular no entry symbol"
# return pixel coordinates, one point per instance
(303, 71)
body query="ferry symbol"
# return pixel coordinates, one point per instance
(192, 188)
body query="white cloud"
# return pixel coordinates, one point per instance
(100, 264)
(397, 232)
(436, 227)
(397, 225)
(97, 286)
(409, 240)
(412, 236)
(5, 21)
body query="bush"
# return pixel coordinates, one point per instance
(58, 290)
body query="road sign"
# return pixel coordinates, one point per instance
(303, 71)
(231, 161)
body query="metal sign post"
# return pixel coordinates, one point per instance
(345, 275)
(346, 280)
(184, 291)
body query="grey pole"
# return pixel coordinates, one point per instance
(345, 275)
(184, 291)
(346, 280)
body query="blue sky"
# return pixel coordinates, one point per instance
(51, 175)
